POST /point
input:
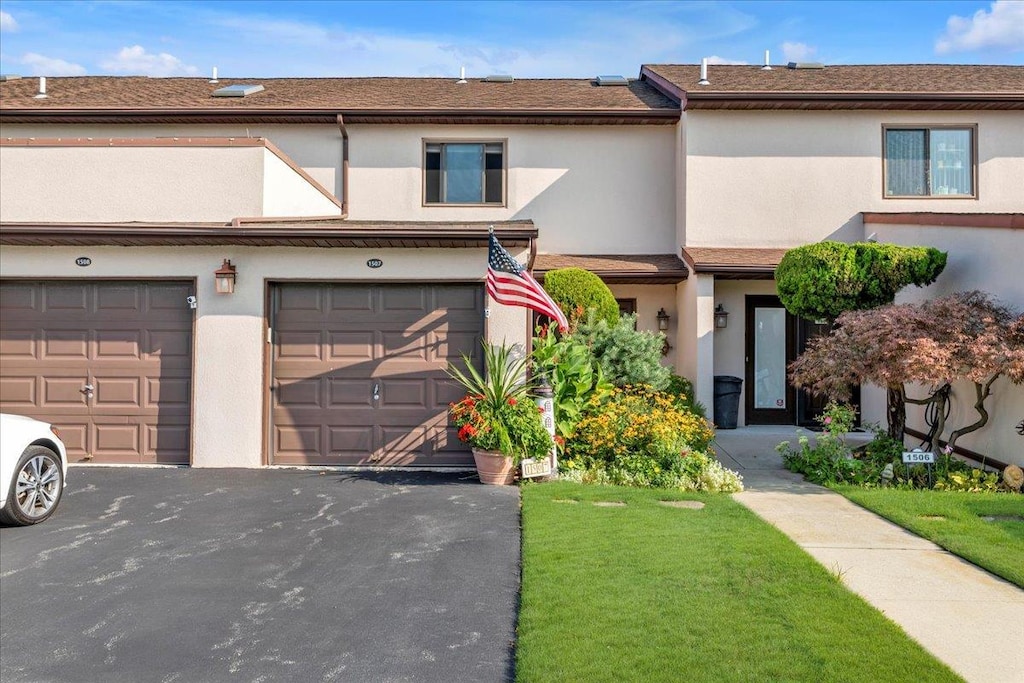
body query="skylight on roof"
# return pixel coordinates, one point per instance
(499, 78)
(239, 90)
(612, 80)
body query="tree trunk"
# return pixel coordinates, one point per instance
(896, 411)
(981, 393)
(937, 401)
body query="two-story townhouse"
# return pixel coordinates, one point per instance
(276, 271)
(772, 158)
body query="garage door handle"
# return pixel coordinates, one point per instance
(376, 392)
(87, 389)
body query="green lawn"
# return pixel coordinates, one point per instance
(647, 592)
(954, 520)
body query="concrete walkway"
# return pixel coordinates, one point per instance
(966, 617)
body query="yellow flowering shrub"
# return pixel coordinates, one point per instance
(641, 437)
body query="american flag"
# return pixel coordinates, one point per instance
(508, 283)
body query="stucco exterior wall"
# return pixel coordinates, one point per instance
(979, 258)
(788, 178)
(695, 343)
(230, 342)
(96, 184)
(286, 193)
(590, 189)
(314, 148)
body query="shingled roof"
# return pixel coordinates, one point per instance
(878, 86)
(357, 99)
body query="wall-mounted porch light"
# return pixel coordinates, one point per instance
(225, 278)
(663, 319)
(721, 317)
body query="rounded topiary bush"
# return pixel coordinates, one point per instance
(577, 290)
(825, 279)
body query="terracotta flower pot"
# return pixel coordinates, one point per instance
(494, 467)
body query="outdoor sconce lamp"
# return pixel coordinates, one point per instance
(225, 278)
(721, 317)
(663, 319)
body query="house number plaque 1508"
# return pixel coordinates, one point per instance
(374, 263)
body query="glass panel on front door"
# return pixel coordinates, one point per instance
(770, 358)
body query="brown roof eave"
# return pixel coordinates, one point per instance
(639, 277)
(696, 99)
(330, 235)
(305, 116)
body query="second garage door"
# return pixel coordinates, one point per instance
(358, 372)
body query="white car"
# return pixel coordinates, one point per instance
(33, 469)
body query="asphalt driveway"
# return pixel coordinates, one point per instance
(263, 575)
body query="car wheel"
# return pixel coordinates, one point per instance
(36, 488)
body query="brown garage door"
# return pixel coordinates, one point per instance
(358, 372)
(131, 342)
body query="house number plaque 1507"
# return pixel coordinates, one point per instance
(374, 263)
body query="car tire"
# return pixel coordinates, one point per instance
(41, 478)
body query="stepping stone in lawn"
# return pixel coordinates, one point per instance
(609, 504)
(564, 500)
(687, 504)
(933, 518)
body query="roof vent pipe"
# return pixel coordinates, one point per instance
(462, 77)
(704, 72)
(214, 79)
(42, 88)
(767, 63)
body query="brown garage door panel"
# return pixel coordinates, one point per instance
(131, 341)
(358, 372)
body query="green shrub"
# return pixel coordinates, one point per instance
(627, 356)
(830, 463)
(574, 374)
(577, 291)
(829, 460)
(641, 437)
(824, 279)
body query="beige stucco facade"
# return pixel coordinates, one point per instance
(589, 189)
(718, 178)
(161, 183)
(783, 179)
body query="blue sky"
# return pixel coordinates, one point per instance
(526, 39)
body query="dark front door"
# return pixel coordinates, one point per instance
(809, 406)
(771, 347)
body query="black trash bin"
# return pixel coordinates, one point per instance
(727, 401)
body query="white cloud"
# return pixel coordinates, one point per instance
(42, 65)
(1001, 28)
(797, 52)
(715, 59)
(7, 23)
(135, 60)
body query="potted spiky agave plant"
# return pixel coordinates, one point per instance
(496, 416)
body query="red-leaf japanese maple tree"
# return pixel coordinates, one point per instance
(964, 336)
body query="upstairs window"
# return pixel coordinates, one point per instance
(464, 173)
(929, 162)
